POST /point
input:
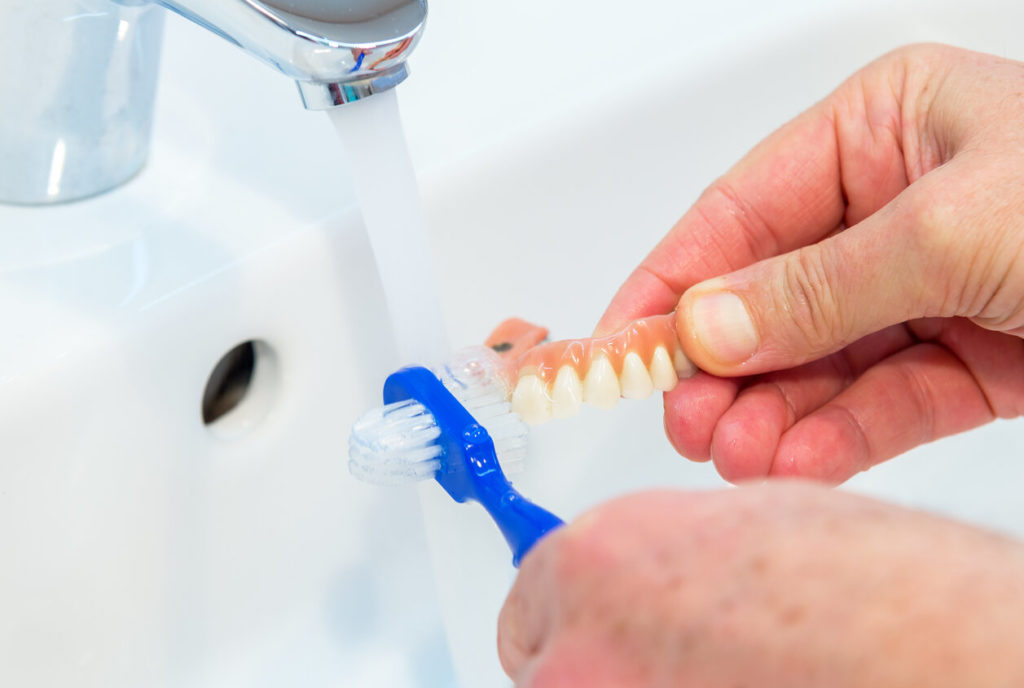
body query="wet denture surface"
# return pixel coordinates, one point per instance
(552, 380)
(514, 337)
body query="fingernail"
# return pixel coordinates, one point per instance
(723, 327)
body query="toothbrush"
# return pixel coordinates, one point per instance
(424, 430)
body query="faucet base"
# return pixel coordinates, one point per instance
(77, 123)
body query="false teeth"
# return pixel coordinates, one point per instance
(530, 400)
(635, 380)
(566, 393)
(601, 386)
(557, 377)
(683, 365)
(663, 371)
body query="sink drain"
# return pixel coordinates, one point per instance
(240, 389)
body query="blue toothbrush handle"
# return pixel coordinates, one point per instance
(470, 468)
(521, 521)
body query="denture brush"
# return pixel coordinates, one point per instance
(426, 429)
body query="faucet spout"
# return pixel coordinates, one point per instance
(337, 52)
(77, 122)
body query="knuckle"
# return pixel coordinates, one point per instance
(923, 54)
(578, 555)
(923, 399)
(551, 671)
(736, 233)
(808, 298)
(936, 241)
(582, 555)
(933, 228)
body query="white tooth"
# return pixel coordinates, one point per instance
(600, 385)
(530, 400)
(684, 366)
(663, 372)
(635, 380)
(567, 393)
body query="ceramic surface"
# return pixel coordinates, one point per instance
(143, 547)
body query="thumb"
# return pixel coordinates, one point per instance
(808, 303)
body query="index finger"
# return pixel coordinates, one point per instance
(783, 194)
(792, 189)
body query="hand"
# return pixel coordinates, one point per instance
(872, 252)
(781, 585)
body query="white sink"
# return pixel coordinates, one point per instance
(555, 147)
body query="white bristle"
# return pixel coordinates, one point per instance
(394, 444)
(397, 443)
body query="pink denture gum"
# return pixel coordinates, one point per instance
(552, 379)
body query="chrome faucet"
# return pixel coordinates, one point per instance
(78, 77)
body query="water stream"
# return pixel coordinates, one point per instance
(371, 132)
(470, 563)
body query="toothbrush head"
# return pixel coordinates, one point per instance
(426, 430)
(469, 469)
(465, 447)
(398, 443)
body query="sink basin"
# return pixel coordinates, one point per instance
(146, 546)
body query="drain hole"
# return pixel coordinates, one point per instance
(241, 390)
(229, 382)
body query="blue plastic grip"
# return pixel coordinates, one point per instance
(469, 466)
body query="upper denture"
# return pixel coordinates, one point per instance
(552, 379)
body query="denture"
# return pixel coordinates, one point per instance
(553, 379)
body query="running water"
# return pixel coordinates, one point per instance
(470, 563)
(371, 132)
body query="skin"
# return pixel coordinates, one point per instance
(901, 329)
(783, 585)
(876, 243)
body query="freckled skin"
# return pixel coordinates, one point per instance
(782, 585)
(875, 242)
